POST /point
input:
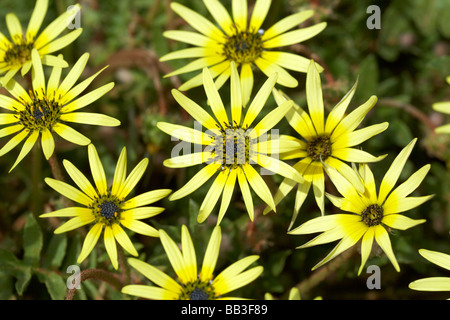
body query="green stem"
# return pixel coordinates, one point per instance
(56, 167)
(124, 266)
(36, 175)
(324, 272)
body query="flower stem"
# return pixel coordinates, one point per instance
(36, 205)
(325, 271)
(56, 167)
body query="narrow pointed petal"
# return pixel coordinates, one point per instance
(188, 251)
(122, 238)
(174, 255)
(259, 14)
(212, 196)
(393, 173)
(27, 146)
(98, 173)
(146, 198)
(120, 173)
(80, 179)
(259, 101)
(246, 194)
(133, 178)
(48, 143)
(90, 241)
(196, 181)
(227, 194)
(110, 246)
(382, 238)
(438, 258)
(314, 98)
(155, 275)
(69, 192)
(259, 185)
(70, 134)
(211, 255)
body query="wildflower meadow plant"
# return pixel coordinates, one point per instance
(207, 124)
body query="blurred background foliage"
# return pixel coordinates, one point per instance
(404, 63)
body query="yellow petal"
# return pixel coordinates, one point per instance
(211, 255)
(98, 173)
(90, 241)
(155, 275)
(69, 192)
(188, 250)
(48, 143)
(80, 179)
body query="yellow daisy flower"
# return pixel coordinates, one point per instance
(294, 294)
(244, 43)
(107, 208)
(433, 283)
(233, 146)
(371, 215)
(15, 55)
(443, 107)
(330, 142)
(191, 285)
(47, 109)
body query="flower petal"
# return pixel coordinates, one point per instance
(212, 196)
(90, 241)
(382, 238)
(80, 179)
(196, 181)
(146, 198)
(211, 255)
(98, 173)
(69, 192)
(393, 173)
(155, 275)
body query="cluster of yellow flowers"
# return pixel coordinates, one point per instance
(232, 147)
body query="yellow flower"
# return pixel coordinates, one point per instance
(371, 215)
(107, 208)
(47, 109)
(233, 146)
(433, 283)
(330, 142)
(443, 107)
(192, 285)
(15, 55)
(244, 43)
(294, 294)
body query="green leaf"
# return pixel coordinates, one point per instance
(32, 241)
(56, 251)
(368, 79)
(55, 284)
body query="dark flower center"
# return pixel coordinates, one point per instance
(232, 147)
(18, 54)
(198, 294)
(39, 114)
(108, 210)
(372, 215)
(319, 148)
(244, 47)
(197, 290)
